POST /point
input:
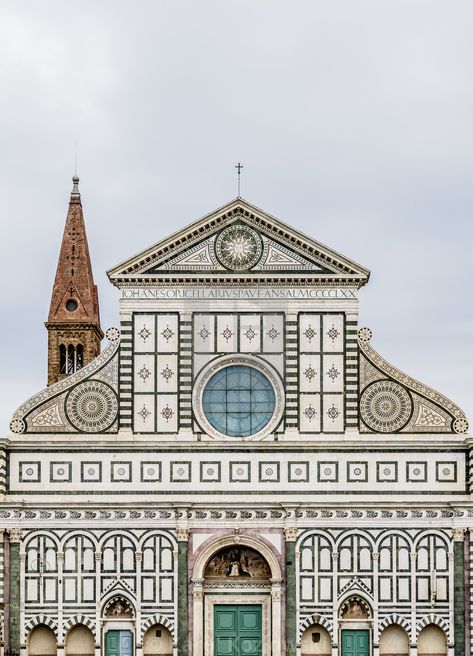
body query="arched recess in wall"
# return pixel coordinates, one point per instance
(316, 640)
(157, 641)
(432, 641)
(42, 641)
(394, 640)
(79, 641)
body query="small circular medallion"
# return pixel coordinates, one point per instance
(238, 247)
(71, 305)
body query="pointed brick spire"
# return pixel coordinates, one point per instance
(74, 284)
(74, 318)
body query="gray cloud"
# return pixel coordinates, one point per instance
(353, 122)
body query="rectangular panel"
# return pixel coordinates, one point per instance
(227, 333)
(333, 328)
(309, 373)
(307, 588)
(147, 588)
(144, 333)
(144, 413)
(273, 333)
(167, 373)
(204, 333)
(333, 411)
(333, 373)
(70, 589)
(167, 333)
(385, 588)
(309, 413)
(88, 588)
(166, 584)
(144, 377)
(309, 333)
(166, 412)
(31, 590)
(250, 333)
(403, 588)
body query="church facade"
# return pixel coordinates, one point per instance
(237, 472)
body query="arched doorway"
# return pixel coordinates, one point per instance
(355, 627)
(236, 598)
(42, 641)
(394, 641)
(157, 641)
(118, 627)
(79, 641)
(316, 640)
(432, 641)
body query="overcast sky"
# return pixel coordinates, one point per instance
(353, 120)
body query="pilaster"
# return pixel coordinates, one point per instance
(290, 533)
(14, 588)
(182, 535)
(459, 590)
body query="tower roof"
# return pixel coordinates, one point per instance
(74, 298)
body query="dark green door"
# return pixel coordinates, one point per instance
(237, 630)
(118, 643)
(355, 643)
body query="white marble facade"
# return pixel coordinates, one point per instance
(354, 490)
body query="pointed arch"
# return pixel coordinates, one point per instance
(157, 619)
(41, 619)
(316, 619)
(80, 619)
(433, 619)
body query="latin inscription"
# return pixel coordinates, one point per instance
(259, 294)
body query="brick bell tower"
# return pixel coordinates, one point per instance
(73, 324)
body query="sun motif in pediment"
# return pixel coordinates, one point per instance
(238, 247)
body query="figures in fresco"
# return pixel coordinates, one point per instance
(237, 562)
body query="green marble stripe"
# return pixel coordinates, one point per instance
(182, 596)
(459, 597)
(14, 615)
(291, 599)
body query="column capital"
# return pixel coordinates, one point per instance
(290, 533)
(15, 535)
(98, 556)
(138, 556)
(182, 533)
(458, 534)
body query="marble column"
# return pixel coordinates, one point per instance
(291, 610)
(14, 588)
(459, 590)
(182, 535)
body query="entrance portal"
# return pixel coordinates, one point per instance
(355, 642)
(118, 643)
(237, 630)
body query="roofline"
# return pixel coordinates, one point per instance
(142, 255)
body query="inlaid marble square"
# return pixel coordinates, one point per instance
(120, 472)
(446, 472)
(60, 472)
(298, 472)
(268, 472)
(309, 373)
(240, 472)
(30, 472)
(333, 373)
(150, 471)
(386, 471)
(416, 472)
(144, 378)
(250, 333)
(166, 413)
(181, 471)
(327, 472)
(309, 413)
(357, 471)
(91, 472)
(210, 472)
(143, 413)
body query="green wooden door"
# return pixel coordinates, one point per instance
(237, 630)
(118, 643)
(355, 643)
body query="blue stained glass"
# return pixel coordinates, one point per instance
(238, 401)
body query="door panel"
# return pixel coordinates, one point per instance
(118, 643)
(237, 630)
(355, 643)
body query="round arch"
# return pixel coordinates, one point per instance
(394, 639)
(42, 641)
(79, 641)
(207, 551)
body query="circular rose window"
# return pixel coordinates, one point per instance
(240, 396)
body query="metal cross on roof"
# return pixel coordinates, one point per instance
(239, 168)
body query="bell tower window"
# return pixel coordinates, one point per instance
(71, 358)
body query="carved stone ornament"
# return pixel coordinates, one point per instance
(458, 534)
(237, 562)
(15, 535)
(119, 607)
(182, 534)
(238, 247)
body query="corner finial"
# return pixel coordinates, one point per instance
(75, 185)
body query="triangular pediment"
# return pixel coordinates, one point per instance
(238, 240)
